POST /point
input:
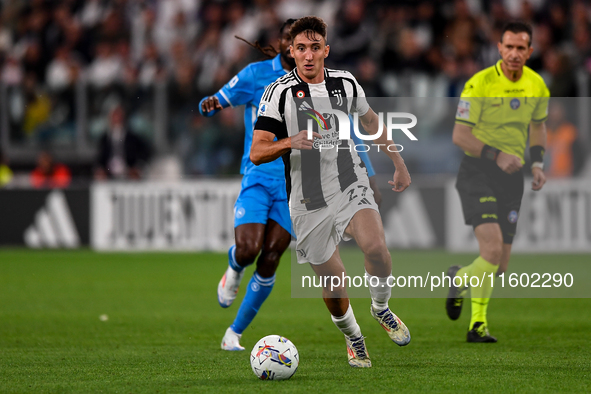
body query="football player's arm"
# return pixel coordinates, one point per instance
(372, 124)
(537, 143)
(239, 90)
(265, 149)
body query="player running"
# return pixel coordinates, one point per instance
(496, 108)
(330, 197)
(261, 214)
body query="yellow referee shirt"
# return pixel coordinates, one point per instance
(500, 110)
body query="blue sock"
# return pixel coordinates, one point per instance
(232, 259)
(257, 292)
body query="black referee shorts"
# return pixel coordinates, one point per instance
(490, 195)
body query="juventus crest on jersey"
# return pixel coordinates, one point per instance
(289, 105)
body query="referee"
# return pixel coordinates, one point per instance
(497, 108)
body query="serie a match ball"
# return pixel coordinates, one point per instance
(274, 358)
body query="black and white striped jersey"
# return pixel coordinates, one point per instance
(289, 105)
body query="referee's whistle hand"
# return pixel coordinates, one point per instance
(300, 140)
(509, 163)
(539, 179)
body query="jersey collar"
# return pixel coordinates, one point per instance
(500, 73)
(498, 68)
(295, 73)
(277, 63)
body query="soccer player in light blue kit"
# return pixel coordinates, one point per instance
(261, 213)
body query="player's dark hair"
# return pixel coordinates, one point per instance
(269, 51)
(518, 27)
(310, 25)
(288, 22)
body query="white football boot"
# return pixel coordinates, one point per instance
(228, 286)
(231, 341)
(395, 328)
(357, 352)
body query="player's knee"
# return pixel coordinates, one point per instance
(376, 251)
(247, 250)
(267, 263)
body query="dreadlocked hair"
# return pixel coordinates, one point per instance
(268, 51)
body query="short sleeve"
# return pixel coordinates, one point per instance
(470, 105)
(239, 90)
(269, 113)
(361, 105)
(541, 111)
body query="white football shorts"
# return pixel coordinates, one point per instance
(319, 232)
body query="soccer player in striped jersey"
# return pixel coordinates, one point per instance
(261, 214)
(329, 194)
(498, 108)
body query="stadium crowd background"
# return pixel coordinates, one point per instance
(72, 72)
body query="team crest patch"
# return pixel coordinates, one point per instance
(300, 94)
(515, 103)
(512, 217)
(463, 111)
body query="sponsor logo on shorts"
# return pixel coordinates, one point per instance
(513, 216)
(301, 252)
(364, 201)
(515, 103)
(489, 216)
(488, 199)
(240, 213)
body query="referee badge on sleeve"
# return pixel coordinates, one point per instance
(463, 111)
(512, 217)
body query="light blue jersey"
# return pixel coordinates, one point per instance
(247, 88)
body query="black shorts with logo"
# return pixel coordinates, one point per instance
(490, 195)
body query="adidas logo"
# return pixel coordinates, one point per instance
(364, 201)
(53, 226)
(407, 225)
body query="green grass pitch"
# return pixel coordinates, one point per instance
(164, 330)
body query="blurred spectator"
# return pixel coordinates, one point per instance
(352, 34)
(542, 43)
(151, 67)
(62, 70)
(37, 107)
(5, 171)
(367, 72)
(33, 63)
(559, 75)
(121, 152)
(106, 69)
(561, 147)
(12, 72)
(49, 174)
